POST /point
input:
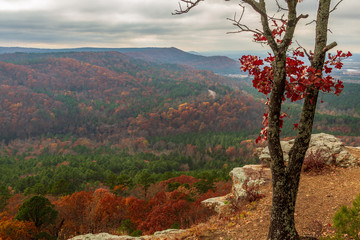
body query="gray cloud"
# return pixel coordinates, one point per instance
(137, 23)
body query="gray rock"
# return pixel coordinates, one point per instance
(326, 146)
(104, 236)
(238, 178)
(221, 205)
(168, 231)
(249, 175)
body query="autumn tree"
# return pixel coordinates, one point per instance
(285, 76)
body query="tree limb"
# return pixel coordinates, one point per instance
(280, 8)
(189, 5)
(257, 7)
(335, 6)
(291, 24)
(301, 16)
(243, 28)
(329, 47)
(305, 51)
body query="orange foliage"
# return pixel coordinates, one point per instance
(84, 212)
(73, 210)
(136, 210)
(103, 211)
(107, 210)
(12, 229)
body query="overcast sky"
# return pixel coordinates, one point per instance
(149, 23)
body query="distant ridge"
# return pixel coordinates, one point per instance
(217, 64)
(50, 50)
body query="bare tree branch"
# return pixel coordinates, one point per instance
(280, 8)
(257, 7)
(313, 21)
(329, 47)
(336, 6)
(189, 4)
(305, 51)
(301, 16)
(243, 28)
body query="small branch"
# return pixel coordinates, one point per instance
(277, 19)
(301, 16)
(280, 8)
(257, 7)
(313, 21)
(329, 47)
(189, 5)
(335, 7)
(243, 28)
(306, 53)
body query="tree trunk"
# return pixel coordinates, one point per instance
(286, 178)
(282, 225)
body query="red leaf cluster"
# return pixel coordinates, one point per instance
(299, 76)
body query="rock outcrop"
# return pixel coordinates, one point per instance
(105, 236)
(221, 205)
(322, 145)
(243, 178)
(249, 175)
(166, 234)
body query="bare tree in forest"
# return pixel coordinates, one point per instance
(287, 77)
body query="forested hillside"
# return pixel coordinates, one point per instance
(99, 95)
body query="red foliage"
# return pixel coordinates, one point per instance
(299, 76)
(166, 209)
(136, 210)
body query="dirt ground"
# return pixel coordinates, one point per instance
(320, 196)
